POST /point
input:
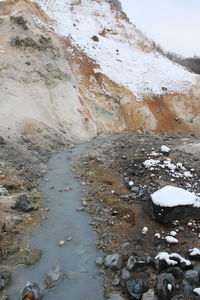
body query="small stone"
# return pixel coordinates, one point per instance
(99, 261)
(61, 243)
(125, 275)
(136, 288)
(145, 230)
(53, 276)
(150, 295)
(130, 263)
(113, 261)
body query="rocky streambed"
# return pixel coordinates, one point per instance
(131, 256)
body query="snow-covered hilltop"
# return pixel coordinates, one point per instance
(82, 69)
(117, 46)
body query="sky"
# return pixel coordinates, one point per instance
(174, 24)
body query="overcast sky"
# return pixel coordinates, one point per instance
(174, 24)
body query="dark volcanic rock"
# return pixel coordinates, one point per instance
(178, 297)
(165, 215)
(165, 286)
(24, 204)
(176, 272)
(192, 276)
(136, 288)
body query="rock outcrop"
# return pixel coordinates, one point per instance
(62, 74)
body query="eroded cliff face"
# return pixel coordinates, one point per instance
(80, 68)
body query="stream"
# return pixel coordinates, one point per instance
(77, 257)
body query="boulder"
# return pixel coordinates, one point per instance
(172, 203)
(136, 288)
(23, 204)
(165, 286)
(113, 261)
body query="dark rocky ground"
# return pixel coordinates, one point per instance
(119, 215)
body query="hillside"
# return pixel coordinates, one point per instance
(81, 68)
(80, 220)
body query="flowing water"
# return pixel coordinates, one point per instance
(77, 257)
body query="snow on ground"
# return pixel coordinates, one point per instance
(117, 52)
(170, 196)
(197, 291)
(171, 240)
(173, 233)
(174, 170)
(168, 258)
(165, 149)
(194, 252)
(145, 230)
(149, 163)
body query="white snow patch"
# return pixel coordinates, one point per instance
(173, 233)
(145, 230)
(165, 149)
(170, 196)
(194, 252)
(188, 174)
(197, 291)
(157, 235)
(180, 166)
(169, 287)
(168, 258)
(171, 240)
(153, 153)
(151, 163)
